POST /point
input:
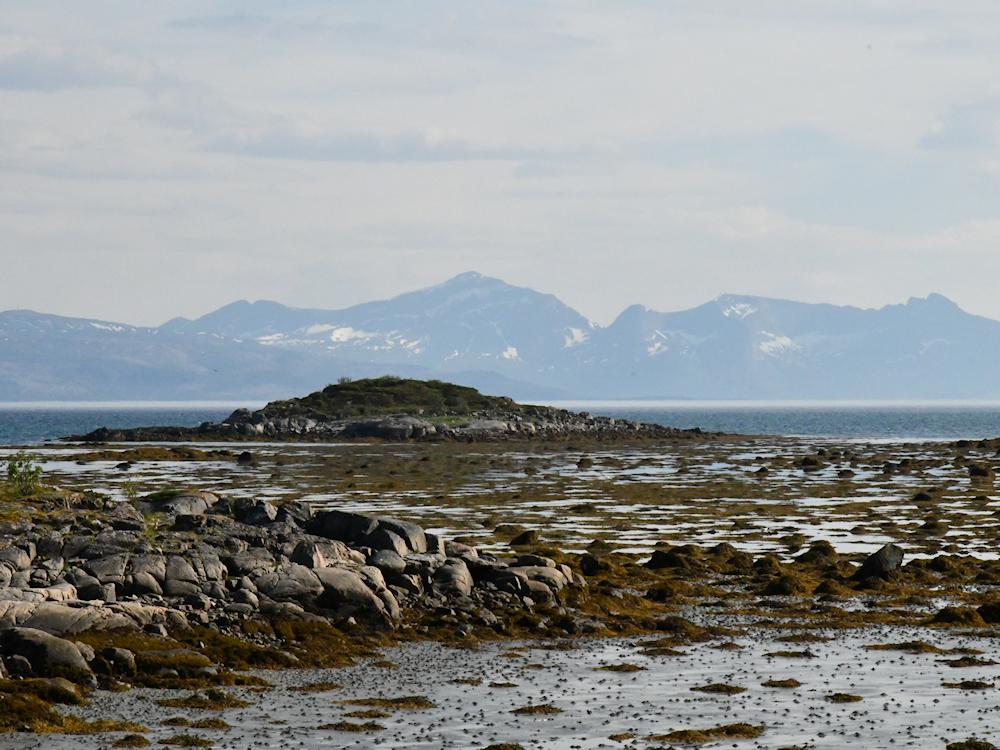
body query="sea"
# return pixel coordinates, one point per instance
(36, 423)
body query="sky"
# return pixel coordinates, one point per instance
(163, 159)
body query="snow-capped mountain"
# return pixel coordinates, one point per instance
(515, 341)
(754, 347)
(470, 322)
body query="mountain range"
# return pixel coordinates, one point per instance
(514, 341)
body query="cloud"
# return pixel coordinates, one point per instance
(286, 143)
(483, 27)
(237, 21)
(49, 68)
(966, 127)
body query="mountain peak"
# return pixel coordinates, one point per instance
(737, 306)
(934, 301)
(469, 277)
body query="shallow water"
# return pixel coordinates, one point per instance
(631, 496)
(904, 703)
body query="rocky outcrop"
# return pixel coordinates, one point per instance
(329, 414)
(212, 562)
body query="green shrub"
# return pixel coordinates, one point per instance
(24, 473)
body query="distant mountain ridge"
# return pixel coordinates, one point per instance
(483, 332)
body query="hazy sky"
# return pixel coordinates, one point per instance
(165, 158)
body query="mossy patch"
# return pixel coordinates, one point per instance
(719, 688)
(406, 702)
(316, 687)
(789, 683)
(187, 740)
(351, 726)
(131, 740)
(625, 667)
(368, 713)
(740, 731)
(969, 685)
(541, 709)
(29, 713)
(210, 700)
(844, 698)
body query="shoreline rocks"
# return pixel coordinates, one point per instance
(200, 560)
(545, 425)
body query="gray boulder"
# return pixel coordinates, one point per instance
(125, 517)
(188, 503)
(16, 557)
(384, 539)
(308, 554)
(454, 577)
(253, 561)
(49, 655)
(181, 578)
(142, 584)
(388, 561)
(256, 512)
(342, 587)
(290, 582)
(110, 569)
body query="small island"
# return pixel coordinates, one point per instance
(397, 409)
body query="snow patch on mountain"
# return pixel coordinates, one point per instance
(347, 333)
(776, 345)
(657, 344)
(574, 337)
(739, 310)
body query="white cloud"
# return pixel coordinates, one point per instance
(50, 67)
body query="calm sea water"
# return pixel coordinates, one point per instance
(945, 421)
(23, 424)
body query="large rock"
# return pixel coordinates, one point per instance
(391, 428)
(410, 532)
(125, 517)
(388, 561)
(109, 569)
(454, 577)
(49, 655)
(371, 531)
(386, 540)
(256, 512)
(551, 577)
(308, 554)
(253, 561)
(290, 582)
(342, 587)
(181, 578)
(342, 525)
(187, 503)
(882, 564)
(154, 566)
(16, 557)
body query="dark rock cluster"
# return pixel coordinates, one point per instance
(189, 558)
(547, 424)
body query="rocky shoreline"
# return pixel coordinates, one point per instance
(542, 424)
(180, 559)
